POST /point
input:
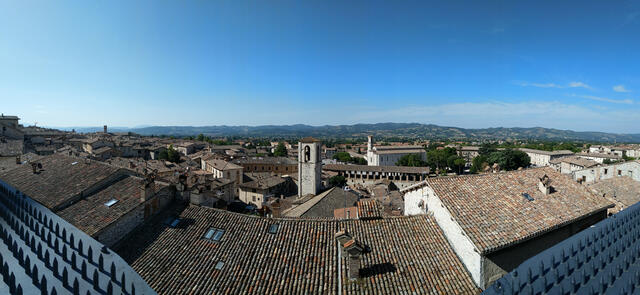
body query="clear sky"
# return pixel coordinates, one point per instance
(562, 64)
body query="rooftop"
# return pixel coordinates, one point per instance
(221, 165)
(575, 160)
(601, 259)
(91, 215)
(262, 180)
(60, 179)
(322, 205)
(493, 212)
(622, 191)
(300, 257)
(550, 153)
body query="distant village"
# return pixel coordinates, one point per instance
(181, 215)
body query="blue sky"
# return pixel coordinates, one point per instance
(561, 64)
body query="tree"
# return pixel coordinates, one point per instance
(509, 159)
(200, 137)
(170, 154)
(478, 164)
(346, 158)
(280, 150)
(487, 149)
(338, 181)
(438, 158)
(460, 163)
(411, 160)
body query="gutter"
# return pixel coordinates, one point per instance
(339, 268)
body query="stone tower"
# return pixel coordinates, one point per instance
(309, 166)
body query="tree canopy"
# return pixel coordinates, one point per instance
(507, 159)
(347, 158)
(411, 160)
(170, 155)
(280, 150)
(338, 180)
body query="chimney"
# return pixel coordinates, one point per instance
(276, 208)
(18, 161)
(105, 128)
(544, 185)
(148, 188)
(352, 250)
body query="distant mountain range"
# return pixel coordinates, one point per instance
(379, 130)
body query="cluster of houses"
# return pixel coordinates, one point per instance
(228, 219)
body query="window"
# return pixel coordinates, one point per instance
(111, 202)
(213, 234)
(619, 172)
(273, 229)
(606, 170)
(254, 198)
(219, 265)
(172, 221)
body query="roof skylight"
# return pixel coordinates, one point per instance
(214, 234)
(111, 202)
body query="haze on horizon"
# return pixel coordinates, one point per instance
(470, 65)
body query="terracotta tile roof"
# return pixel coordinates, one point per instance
(575, 160)
(622, 191)
(550, 153)
(493, 212)
(323, 205)
(91, 215)
(309, 140)
(602, 259)
(221, 164)
(262, 180)
(409, 255)
(61, 178)
(369, 209)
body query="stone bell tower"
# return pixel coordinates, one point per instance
(309, 166)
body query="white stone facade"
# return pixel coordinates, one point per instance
(309, 167)
(423, 200)
(589, 175)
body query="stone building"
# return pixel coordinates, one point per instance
(263, 187)
(496, 221)
(42, 253)
(223, 169)
(566, 165)
(594, 174)
(104, 201)
(540, 158)
(600, 157)
(279, 165)
(389, 155)
(309, 166)
(371, 175)
(9, 127)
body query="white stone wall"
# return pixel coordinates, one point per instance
(459, 241)
(589, 175)
(539, 159)
(309, 170)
